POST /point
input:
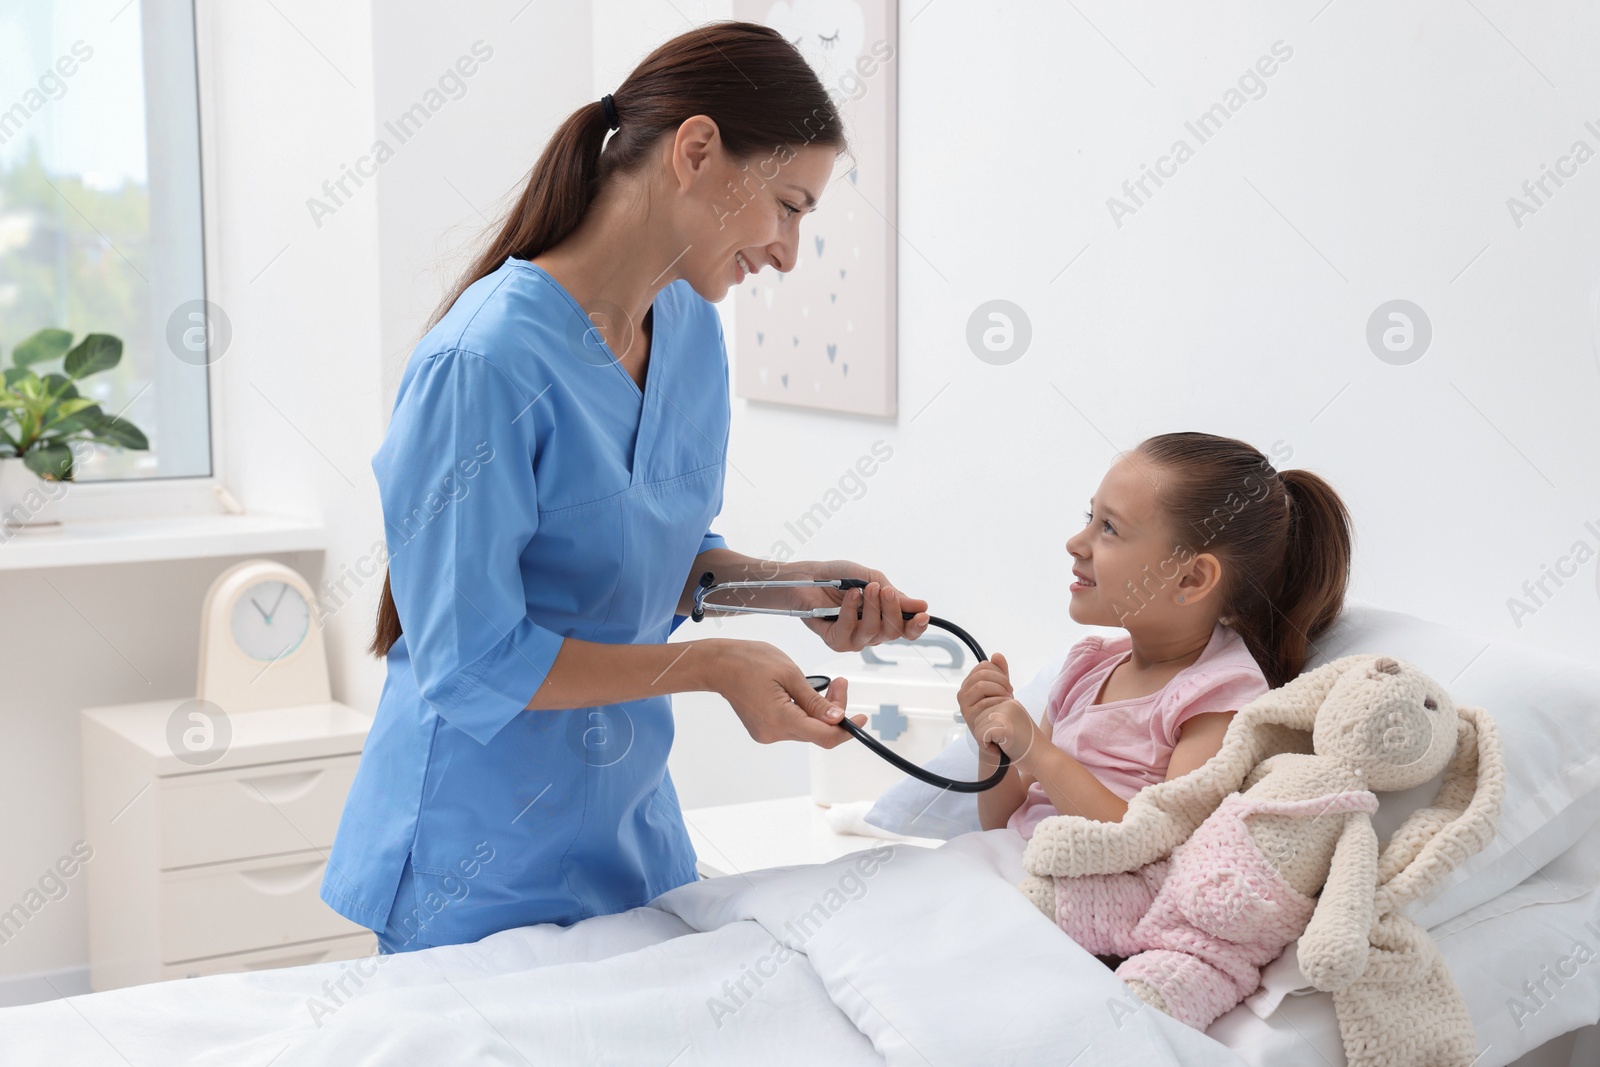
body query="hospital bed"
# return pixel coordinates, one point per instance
(921, 951)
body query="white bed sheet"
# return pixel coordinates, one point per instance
(933, 956)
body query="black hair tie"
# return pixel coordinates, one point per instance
(610, 110)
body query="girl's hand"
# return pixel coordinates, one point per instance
(879, 604)
(1008, 725)
(988, 684)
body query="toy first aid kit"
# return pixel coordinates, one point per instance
(907, 691)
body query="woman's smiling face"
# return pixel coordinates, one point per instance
(1125, 551)
(745, 214)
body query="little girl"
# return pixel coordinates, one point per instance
(1222, 571)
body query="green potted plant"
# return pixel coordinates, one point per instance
(41, 416)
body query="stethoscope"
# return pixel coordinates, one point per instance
(820, 682)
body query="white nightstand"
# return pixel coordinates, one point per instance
(730, 838)
(202, 869)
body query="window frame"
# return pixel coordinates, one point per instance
(178, 495)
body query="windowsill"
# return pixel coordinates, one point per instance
(144, 540)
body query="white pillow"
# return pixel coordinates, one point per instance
(918, 809)
(1545, 707)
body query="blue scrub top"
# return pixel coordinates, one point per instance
(531, 492)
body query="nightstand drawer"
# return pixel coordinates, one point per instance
(338, 948)
(252, 811)
(247, 905)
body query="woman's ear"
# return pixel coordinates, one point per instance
(1436, 839)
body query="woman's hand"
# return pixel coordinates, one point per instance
(879, 604)
(772, 697)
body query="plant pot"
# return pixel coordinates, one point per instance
(28, 502)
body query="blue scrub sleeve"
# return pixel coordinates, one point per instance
(708, 542)
(455, 474)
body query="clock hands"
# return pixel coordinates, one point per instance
(267, 615)
(275, 603)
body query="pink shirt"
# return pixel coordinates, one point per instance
(1127, 743)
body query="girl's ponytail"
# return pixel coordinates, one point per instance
(1284, 540)
(1316, 573)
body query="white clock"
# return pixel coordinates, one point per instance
(261, 640)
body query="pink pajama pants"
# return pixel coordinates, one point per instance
(1200, 924)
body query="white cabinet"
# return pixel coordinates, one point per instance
(208, 867)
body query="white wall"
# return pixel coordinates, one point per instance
(446, 184)
(1376, 166)
(1387, 143)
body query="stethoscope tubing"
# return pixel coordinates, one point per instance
(820, 682)
(921, 773)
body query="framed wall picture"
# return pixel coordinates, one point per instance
(823, 335)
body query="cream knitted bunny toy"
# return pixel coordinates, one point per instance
(1198, 899)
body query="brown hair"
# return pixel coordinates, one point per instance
(1284, 540)
(750, 80)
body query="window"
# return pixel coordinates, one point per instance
(100, 217)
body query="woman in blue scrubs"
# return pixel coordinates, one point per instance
(551, 469)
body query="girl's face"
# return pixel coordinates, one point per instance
(743, 216)
(1134, 574)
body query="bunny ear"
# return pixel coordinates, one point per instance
(1434, 840)
(1294, 705)
(1279, 720)
(1161, 816)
